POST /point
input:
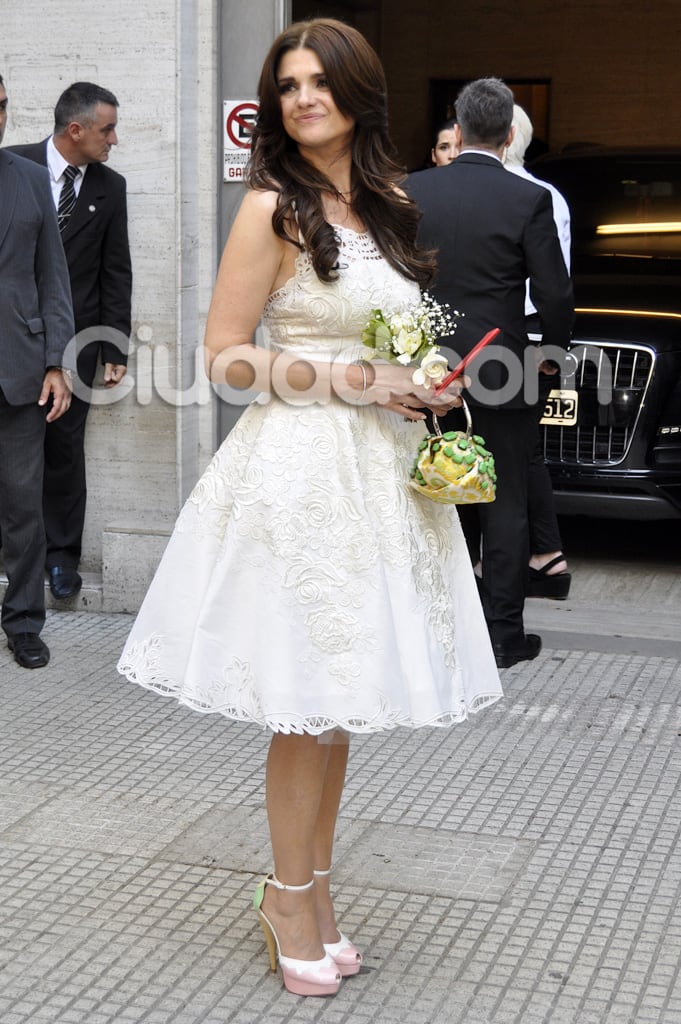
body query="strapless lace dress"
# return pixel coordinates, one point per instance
(305, 585)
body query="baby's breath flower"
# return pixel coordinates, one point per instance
(409, 337)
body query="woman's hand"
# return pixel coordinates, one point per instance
(394, 389)
(450, 397)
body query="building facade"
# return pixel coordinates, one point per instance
(609, 71)
(170, 64)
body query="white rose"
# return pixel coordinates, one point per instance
(432, 370)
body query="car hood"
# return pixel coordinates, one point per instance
(627, 292)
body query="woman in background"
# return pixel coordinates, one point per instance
(444, 149)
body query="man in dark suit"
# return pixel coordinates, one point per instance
(36, 325)
(92, 210)
(493, 231)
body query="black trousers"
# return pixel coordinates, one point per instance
(501, 527)
(22, 432)
(65, 487)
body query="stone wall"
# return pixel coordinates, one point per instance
(159, 58)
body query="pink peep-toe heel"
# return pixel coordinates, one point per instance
(301, 977)
(346, 955)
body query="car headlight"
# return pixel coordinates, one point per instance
(667, 448)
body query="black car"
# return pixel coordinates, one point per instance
(612, 437)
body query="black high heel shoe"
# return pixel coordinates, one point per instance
(541, 583)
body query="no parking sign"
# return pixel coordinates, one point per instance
(238, 120)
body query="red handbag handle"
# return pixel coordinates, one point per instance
(460, 367)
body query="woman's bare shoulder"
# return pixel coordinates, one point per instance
(261, 202)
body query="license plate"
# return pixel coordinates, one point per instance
(560, 409)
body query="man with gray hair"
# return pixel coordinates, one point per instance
(91, 205)
(493, 230)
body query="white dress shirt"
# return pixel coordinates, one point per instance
(56, 165)
(561, 215)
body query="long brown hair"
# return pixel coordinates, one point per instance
(358, 87)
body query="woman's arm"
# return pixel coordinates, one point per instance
(251, 263)
(255, 262)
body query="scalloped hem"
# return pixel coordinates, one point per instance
(314, 725)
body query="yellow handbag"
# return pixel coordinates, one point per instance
(454, 468)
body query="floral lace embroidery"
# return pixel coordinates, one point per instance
(311, 508)
(305, 315)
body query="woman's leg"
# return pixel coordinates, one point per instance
(334, 779)
(296, 782)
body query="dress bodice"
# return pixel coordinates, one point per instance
(309, 317)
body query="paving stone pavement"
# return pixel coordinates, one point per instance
(522, 868)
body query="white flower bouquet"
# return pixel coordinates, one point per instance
(410, 338)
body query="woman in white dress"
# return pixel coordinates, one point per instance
(306, 587)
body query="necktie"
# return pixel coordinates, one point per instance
(67, 196)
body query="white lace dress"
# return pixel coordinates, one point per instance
(306, 586)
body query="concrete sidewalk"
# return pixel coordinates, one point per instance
(523, 868)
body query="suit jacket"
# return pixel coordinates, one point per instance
(493, 230)
(98, 254)
(36, 319)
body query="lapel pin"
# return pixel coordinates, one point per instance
(91, 208)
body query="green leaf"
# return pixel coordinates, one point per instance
(383, 337)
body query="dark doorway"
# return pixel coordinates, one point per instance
(364, 15)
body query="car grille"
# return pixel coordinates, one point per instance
(603, 432)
